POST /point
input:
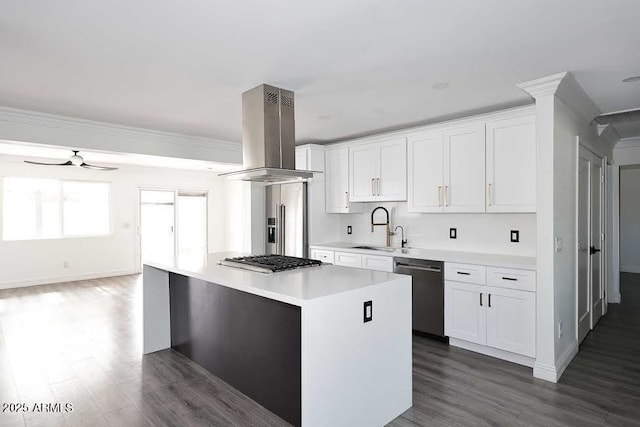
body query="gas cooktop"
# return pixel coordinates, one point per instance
(269, 263)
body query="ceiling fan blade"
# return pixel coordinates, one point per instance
(99, 168)
(50, 164)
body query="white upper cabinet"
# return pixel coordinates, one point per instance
(464, 169)
(446, 170)
(392, 170)
(337, 181)
(511, 165)
(425, 164)
(302, 158)
(378, 171)
(362, 171)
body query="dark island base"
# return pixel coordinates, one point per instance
(252, 343)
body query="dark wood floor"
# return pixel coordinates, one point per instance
(81, 343)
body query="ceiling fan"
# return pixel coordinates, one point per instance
(74, 160)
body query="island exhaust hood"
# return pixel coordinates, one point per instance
(268, 137)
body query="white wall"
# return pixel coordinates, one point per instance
(41, 261)
(485, 233)
(630, 219)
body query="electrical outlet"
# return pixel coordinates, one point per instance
(349, 229)
(453, 233)
(560, 329)
(515, 236)
(368, 311)
(65, 264)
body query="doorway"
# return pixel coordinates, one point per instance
(173, 224)
(590, 295)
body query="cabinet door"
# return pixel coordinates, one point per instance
(337, 180)
(392, 171)
(511, 320)
(464, 312)
(348, 259)
(511, 165)
(464, 169)
(302, 158)
(380, 263)
(425, 173)
(363, 162)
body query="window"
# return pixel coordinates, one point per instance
(49, 208)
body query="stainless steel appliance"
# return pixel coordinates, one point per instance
(428, 293)
(269, 263)
(286, 208)
(268, 137)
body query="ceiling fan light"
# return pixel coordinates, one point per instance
(76, 160)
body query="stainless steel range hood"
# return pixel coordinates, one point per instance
(268, 137)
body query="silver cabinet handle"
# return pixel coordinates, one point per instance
(378, 186)
(489, 198)
(439, 195)
(346, 199)
(446, 195)
(373, 180)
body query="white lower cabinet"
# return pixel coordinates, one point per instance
(353, 259)
(348, 259)
(501, 317)
(465, 317)
(511, 321)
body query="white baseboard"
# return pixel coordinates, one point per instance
(553, 373)
(615, 298)
(493, 352)
(630, 269)
(74, 278)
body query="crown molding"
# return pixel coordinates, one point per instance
(544, 86)
(628, 143)
(146, 138)
(567, 89)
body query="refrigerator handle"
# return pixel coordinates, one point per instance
(283, 229)
(278, 229)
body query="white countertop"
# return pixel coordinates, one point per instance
(293, 287)
(492, 260)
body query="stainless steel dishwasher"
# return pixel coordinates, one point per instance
(428, 293)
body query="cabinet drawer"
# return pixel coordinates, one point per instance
(465, 273)
(510, 278)
(322, 255)
(380, 263)
(348, 259)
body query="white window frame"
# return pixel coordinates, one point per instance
(60, 182)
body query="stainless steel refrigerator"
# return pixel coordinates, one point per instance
(287, 219)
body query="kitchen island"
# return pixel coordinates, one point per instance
(318, 346)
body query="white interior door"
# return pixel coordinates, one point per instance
(597, 292)
(583, 283)
(157, 225)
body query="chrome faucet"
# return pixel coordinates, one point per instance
(403, 241)
(386, 224)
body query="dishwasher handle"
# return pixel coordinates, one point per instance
(415, 267)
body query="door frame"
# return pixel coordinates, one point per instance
(176, 192)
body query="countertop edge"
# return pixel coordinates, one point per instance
(473, 258)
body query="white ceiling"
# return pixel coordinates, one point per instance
(49, 154)
(356, 66)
